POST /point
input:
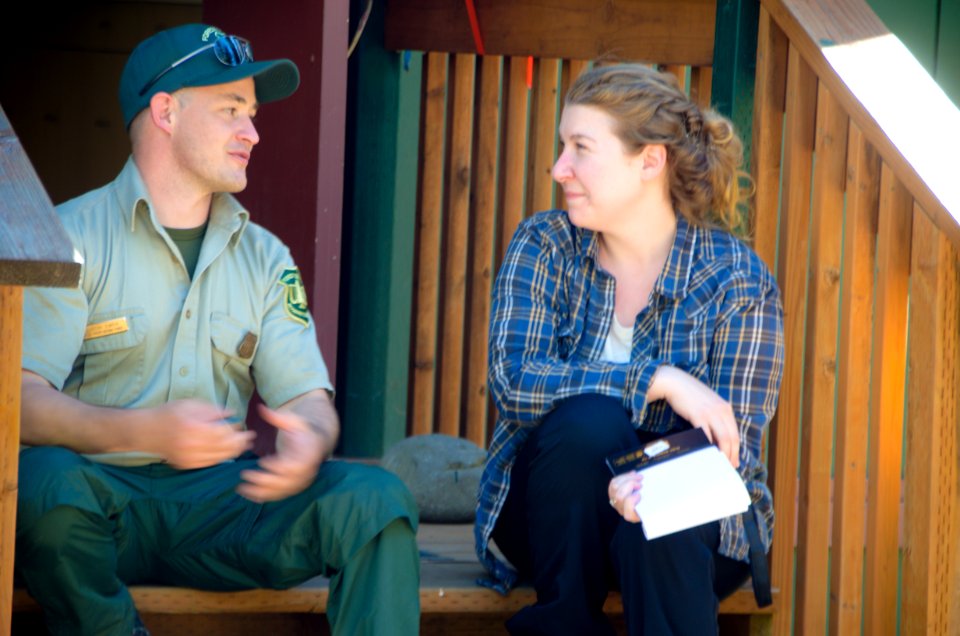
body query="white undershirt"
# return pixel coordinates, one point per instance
(619, 342)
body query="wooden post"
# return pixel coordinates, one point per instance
(11, 308)
(34, 250)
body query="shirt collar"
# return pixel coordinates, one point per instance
(675, 278)
(589, 244)
(226, 213)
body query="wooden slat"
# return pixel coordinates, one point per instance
(456, 230)
(846, 43)
(768, 107)
(483, 242)
(794, 238)
(669, 31)
(930, 482)
(11, 324)
(819, 383)
(544, 135)
(701, 79)
(853, 391)
(516, 132)
(428, 245)
(886, 404)
(679, 71)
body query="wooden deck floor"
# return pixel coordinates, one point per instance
(450, 600)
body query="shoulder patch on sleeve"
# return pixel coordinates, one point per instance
(295, 296)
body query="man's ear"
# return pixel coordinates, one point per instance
(163, 111)
(653, 160)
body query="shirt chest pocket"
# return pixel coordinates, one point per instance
(114, 358)
(234, 346)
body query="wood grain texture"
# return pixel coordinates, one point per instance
(516, 139)
(888, 376)
(791, 272)
(483, 247)
(34, 248)
(449, 570)
(819, 378)
(667, 31)
(853, 390)
(11, 328)
(456, 229)
(769, 103)
(701, 80)
(546, 119)
(845, 42)
(430, 220)
(930, 481)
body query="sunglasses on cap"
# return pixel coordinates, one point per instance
(229, 49)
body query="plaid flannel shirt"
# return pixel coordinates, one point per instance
(714, 312)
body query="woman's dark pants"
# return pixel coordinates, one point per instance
(558, 530)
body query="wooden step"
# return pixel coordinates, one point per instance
(449, 570)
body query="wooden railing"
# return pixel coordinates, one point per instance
(865, 249)
(34, 250)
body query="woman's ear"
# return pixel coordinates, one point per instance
(653, 160)
(163, 110)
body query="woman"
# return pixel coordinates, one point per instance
(632, 315)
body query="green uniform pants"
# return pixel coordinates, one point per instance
(85, 531)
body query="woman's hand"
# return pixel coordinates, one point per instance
(624, 492)
(700, 405)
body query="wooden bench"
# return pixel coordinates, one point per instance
(449, 569)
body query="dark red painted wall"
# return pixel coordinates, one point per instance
(296, 175)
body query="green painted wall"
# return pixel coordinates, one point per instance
(948, 49)
(379, 240)
(931, 30)
(735, 65)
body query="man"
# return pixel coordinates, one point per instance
(136, 385)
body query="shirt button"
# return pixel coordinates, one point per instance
(184, 371)
(189, 313)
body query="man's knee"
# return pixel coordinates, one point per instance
(52, 477)
(377, 488)
(54, 532)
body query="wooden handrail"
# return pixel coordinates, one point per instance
(887, 93)
(861, 223)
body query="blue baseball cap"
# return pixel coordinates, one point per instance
(198, 55)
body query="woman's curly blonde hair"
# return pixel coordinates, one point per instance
(704, 153)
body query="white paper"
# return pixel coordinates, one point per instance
(688, 491)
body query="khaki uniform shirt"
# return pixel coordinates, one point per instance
(139, 332)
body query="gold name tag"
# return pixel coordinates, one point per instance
(106, 328)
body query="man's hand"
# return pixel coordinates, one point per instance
(700, 405)
(306, 436)
(193, 434)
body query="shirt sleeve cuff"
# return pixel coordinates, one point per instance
(638, 383)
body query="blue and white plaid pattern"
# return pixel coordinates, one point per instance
(715, 312)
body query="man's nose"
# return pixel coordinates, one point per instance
(249, 132)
